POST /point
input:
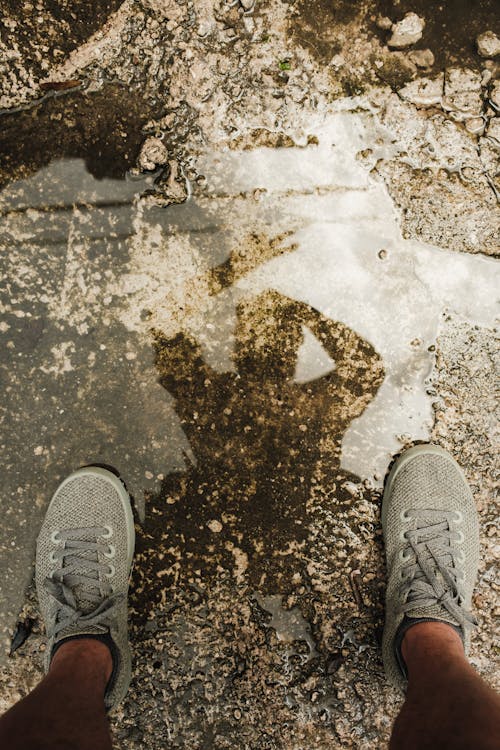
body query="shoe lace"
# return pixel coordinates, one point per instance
(85, 600)
(431, 575)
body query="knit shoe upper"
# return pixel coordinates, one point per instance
(83, 562)
(431, 535)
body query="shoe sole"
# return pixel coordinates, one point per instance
(122, 493)
(406, 457)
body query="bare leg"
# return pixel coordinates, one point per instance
(66, 711)
(448, 706)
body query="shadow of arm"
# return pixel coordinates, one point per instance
(182, 369)
(359, 370)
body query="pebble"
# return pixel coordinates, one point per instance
(463, 94)
(153, 153)
(425, 92)
(495, 94)
(406, 32)
(383, 22)
(215, 526)
(486, 76)
(422, 58)
(475, 125)
(488, 44)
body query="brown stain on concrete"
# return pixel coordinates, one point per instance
(104, 128)
(257, 438)
(58, 26)
(256, 249)
(315, 25)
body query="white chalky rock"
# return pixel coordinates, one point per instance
(425, 92)
(488, 44)
(495, 94)
(475, 125)
(463, 92)
(153, 154)
(494, 129)
(422, 58)
(406, 32)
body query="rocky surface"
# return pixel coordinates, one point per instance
(294, 187)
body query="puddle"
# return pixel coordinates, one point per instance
(289, 624)
(291, 327)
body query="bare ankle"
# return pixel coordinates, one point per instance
(427, 645)
(431, 636)
(84, 652)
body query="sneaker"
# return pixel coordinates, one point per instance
(83, 564)
(431, 535)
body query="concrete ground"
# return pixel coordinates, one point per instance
(248, 254)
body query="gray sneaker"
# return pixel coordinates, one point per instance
(83, 563)
(431, 535)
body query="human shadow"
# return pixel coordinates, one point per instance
(257, 436)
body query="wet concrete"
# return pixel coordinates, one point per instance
(247, 334)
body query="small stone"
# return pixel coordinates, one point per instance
(215, 526)
(495, 94)
(153, 154)
(486, 76)
(425, 92)
(406, 32)
(463, 92)
(475, 125)
(423, 58)
(488, 44)
(171, 187)
(383, 22)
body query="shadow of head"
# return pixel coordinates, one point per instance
(257, 436)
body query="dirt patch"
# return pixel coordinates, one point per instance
(46, 31)
(327, 28)
(315, 25)
(450, 29)
(104, 128)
